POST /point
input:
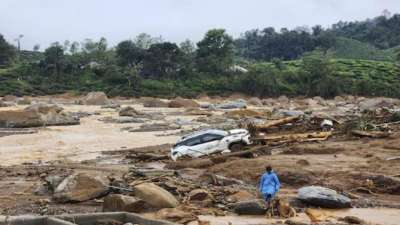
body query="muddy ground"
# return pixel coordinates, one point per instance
(347, 164)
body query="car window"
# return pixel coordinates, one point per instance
(211, 137)
(191, 142)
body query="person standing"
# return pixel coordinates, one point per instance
(269, 184)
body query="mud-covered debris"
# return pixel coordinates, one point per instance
(153, 127)
(144, 172)
(370, 134)
(111, 105)
(155, 195)
(223, 181)
(323, 197)
(122, 119)
(176, 215)
(123, 203)
(153, 102)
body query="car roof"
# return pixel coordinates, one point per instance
(208, 131)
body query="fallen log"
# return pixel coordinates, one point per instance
(274, 123)
(370, 134)
(304, 137)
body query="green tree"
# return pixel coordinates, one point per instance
(7, 51)
(215, 52)
(55, 59)
(163, 60)
(129, 54)
(318, 76)
(144, 41)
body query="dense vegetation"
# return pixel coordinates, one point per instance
(359, 58)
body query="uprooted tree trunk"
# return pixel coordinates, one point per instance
(274, 123)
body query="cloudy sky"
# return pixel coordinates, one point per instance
(46, 21)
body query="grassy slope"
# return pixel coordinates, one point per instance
(346, 48)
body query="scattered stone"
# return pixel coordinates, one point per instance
(122, 119)
(252, 207)
(238, 104)
(255, 102)
(372, 104)
(155, 195)
(154, 127)
(240, 196)
(197, 112)
(183, 103)
(353, 220)
(223, 181)
(111, 106)
(323, 197)
(80, 187)
(122, 203)
(199, 195)
(95, 98)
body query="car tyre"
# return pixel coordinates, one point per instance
(236, 147)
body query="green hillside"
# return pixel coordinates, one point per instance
(346, 48)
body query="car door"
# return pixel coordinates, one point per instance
(211, 142)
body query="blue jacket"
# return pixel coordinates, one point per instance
(269, 184)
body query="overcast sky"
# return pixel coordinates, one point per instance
(46, 21)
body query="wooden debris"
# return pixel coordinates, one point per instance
(370, 134)
(287, 138)
(274, 123)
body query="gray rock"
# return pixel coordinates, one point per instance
(80, 187)
(155, 195)
(238, 104)
(323, 197)
(252, 207)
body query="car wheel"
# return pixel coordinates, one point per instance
(235, 147)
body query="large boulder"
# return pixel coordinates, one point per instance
(252, 207)
(155, 196)
(122, 203)
(95, 98)
(323, 197)
(35, 116)
(153, 103)
(80, 187)
(183, 103)
(129, 111)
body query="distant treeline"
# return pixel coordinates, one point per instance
(342, 59)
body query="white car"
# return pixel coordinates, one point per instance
(211, 141)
